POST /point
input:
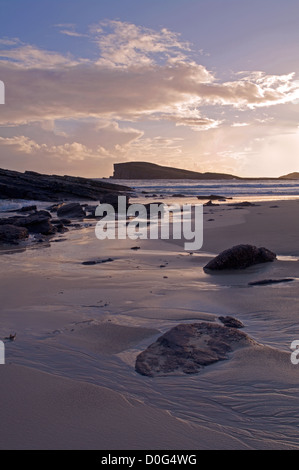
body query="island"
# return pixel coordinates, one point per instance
(146, 171)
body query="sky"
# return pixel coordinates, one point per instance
(205, 85)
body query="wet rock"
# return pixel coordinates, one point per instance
(213, 197)
(39, 222)
(27, 209)
(55, 207)
(97, 261)
(244, 204)
(210, 203)
(12, 234)
(231, 322)
(267, 282)
(188, 348)
(240, 257)
(112, 199)
(35, 186)
(73, 210)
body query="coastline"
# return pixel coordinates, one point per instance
(67, 317)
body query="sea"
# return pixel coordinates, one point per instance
(239, 190)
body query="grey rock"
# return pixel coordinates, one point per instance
(188, 348)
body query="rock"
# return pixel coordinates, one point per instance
(188, 348)
(91, 210)
(178, 195)
(244, 204)
(35, 186)
(55, 207)
(231, 322)
(12, 234)
(39, 222)
(267, 282)
(213, 197)
(73, 210)
(112, 199)
(27, 209)
(210, 203)
(97, 261)
(240, 257)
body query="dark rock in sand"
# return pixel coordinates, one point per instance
(97, 261)
(213, 197)
(12, 234)
(267, 282)
(73, 210)
(210, 203)
(231, 322)
(188, 348)
(240, 257)
(244, 204)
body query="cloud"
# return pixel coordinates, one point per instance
(69, 29)
(30, 57)
(126, 44)
(140, 75)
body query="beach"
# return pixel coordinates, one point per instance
(69, 381)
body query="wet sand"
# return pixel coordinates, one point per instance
(69, 379)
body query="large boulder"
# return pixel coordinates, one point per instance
(12, 234)
(73, 210)
(188, 348)
(240, 257)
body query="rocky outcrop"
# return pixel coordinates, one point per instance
(145, 171)
(35, 186)
(188, 348)
(240, 257)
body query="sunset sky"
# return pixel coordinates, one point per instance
(206, 85)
